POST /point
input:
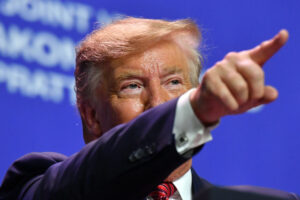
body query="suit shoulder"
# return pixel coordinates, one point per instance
(26, 168)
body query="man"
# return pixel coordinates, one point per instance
(129, 76)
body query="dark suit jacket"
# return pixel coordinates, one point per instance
(203, 190)
(126, 162)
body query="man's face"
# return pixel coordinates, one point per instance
(134, 84)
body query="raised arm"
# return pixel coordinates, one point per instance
(236, 83)
(115, 166)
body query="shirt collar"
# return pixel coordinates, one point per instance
(184, 185)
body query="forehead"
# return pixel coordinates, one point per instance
(165, 57)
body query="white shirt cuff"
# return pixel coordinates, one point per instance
(188, 130)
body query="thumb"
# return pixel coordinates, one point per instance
(270, 95)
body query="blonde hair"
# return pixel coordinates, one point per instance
(126, 37)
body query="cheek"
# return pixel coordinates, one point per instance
(126, 109)
(178, 93)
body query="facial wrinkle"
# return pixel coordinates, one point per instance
(151, 62)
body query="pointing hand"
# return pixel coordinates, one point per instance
(236, 83)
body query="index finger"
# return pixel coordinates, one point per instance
(263, 52)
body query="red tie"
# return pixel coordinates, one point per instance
(163, 191)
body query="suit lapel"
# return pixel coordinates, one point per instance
(198, 183)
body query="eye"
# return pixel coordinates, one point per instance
(175, 82)
(131, 88)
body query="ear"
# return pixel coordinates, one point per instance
(91, 125)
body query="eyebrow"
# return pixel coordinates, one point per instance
(128, 74)
(171, 70)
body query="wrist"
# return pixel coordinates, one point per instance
(201, 111)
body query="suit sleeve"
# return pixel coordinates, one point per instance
(127, 161)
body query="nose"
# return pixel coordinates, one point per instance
(155, 96)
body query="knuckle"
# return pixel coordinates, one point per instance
(263, 44)
(257, 74)
(220, 64)
(207, 76)
(251, 69)
(231, 75)
(241, 87)
(231, 55)
(241, 91)
(244, 53)
(225, 66)
(222, 95)
(244, 63)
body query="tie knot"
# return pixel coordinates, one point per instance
(163, 191)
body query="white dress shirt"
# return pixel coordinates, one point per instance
(188, 130)
(184, 187)
(189, 133)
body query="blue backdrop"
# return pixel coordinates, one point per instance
(37, 39)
